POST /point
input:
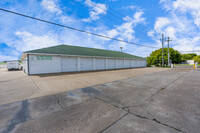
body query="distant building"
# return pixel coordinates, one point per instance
(66, 58)
(191, 62)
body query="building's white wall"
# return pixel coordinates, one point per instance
(25, 65)
(127, 63)
(111, 64)
(120, 63)
(133, 63)
(144, 63)
(44, 66)
(138, 63)
(86, 64)
(100, 64)
(69, 64)
(78, 64)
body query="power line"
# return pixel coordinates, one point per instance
(119, 18)
(50, 5)
(190, 51)
(93, 10)
(68, 27)
(123, 15)
(102, 9)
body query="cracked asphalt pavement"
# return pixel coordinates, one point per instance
(159, 102)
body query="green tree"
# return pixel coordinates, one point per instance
(189, 56)
(175, 56)
(197, 59)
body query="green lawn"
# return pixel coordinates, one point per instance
(2, 63)
(183, 65)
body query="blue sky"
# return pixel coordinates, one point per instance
(138, 21)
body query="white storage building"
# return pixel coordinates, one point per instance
(66, 58)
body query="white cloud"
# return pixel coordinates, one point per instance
(180, 27)
(190, 6)
(187, 44)
(160, 23)
(184, 6)
(51, 6)
(170, 31)
(112, 33)
(131, 7)
(28, 41)
(196, 15)
(151, 33)
(4, 57)
(96, 9)
(125, 31)
(138, 17)
(23, 34)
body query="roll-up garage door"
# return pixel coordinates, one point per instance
(139, 64)
(144, 63)
(86, 64)
(127, 63)
(39, 64)
(120, 64)
(68, 64)
(111, 63)
(100, 64)
(133, 63)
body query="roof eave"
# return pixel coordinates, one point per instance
(81, 56)
(23, 56)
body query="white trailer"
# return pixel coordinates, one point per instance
(13, 65)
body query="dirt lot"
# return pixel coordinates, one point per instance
(165, 101)
(17, 86)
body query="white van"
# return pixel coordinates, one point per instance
(13, 65)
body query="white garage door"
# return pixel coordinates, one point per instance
(86, 64)
(127, 63)
(39, 64)
(120, 63)
(111, 63)
(139, 63)
(133, 63)
(68, 64)
(100, 64)
(144, 63)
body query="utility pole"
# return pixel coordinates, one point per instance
(162, 50)
(168, 40)
(121, 48)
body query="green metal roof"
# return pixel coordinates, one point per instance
(82, 51)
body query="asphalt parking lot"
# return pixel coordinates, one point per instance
(154, 101)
